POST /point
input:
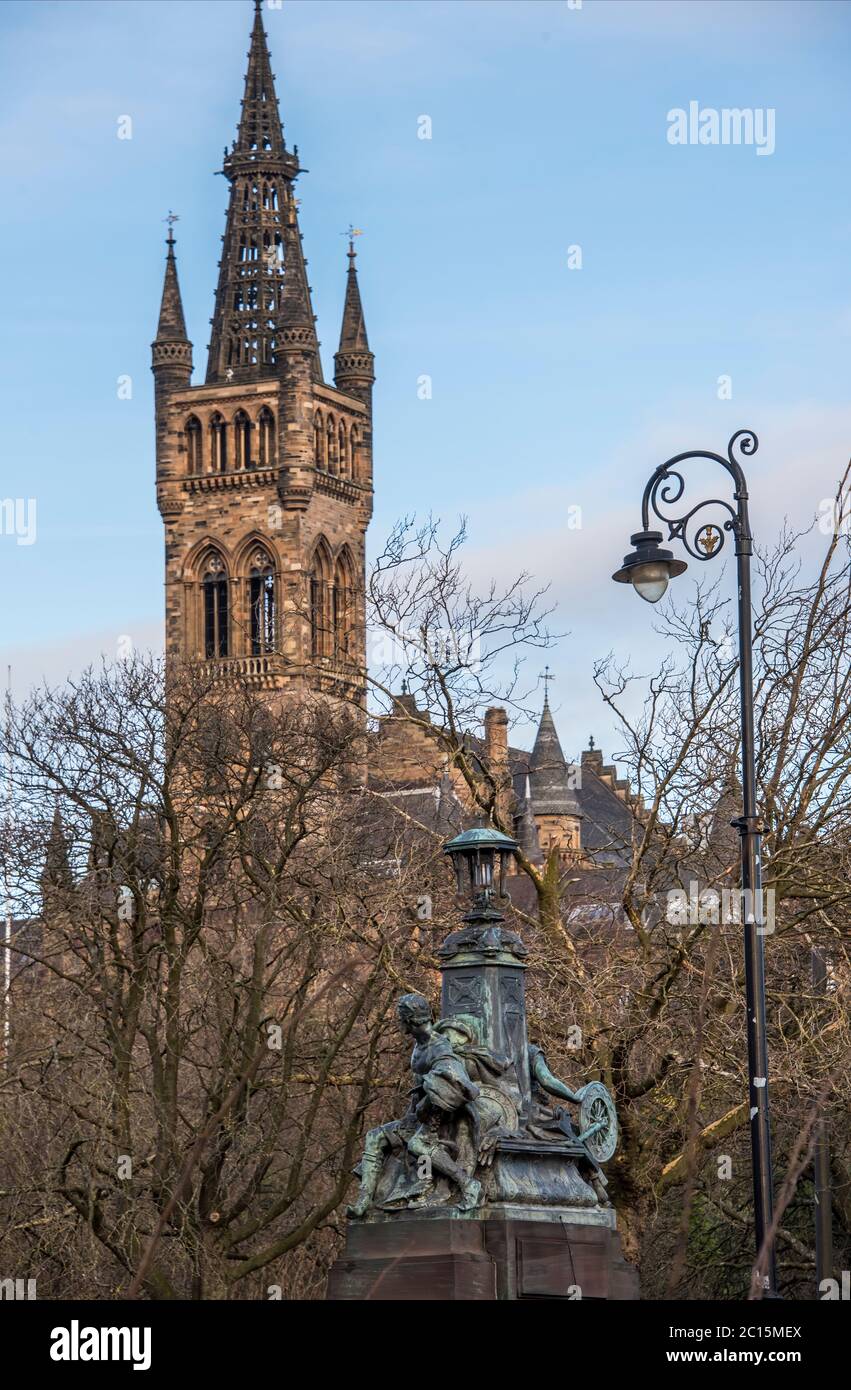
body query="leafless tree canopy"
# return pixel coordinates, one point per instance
(203, 976)
(214, 911)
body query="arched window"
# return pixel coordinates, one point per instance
(320, 602)
(266, 437)
(318, 440)
(242, 440)
(331, 445)
(342, 451)
(261, 583)
(218, 444)
(214, 585)
(193, 444)
(354, 453)
(341, 615)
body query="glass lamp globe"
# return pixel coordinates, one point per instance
(648, 568)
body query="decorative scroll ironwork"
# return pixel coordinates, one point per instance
(667, 486)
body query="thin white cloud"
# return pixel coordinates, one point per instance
(54, 662)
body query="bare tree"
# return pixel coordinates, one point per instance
(458, 651)
(207, 944)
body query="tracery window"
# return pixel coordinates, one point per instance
(262, 603)
(214, 586)
(321, 603)
(341, 605)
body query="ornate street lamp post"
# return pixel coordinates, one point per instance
(648, 568)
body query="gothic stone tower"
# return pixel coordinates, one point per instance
(264, 472)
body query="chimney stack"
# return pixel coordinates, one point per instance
(496, 755)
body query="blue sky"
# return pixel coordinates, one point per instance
(553, 388)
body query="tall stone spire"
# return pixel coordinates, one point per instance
(260, 126)
(353, 362)
(353, 332)
(297, 333)
(171, 350)
(263, 309)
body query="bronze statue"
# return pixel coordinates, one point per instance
(463, 1105)
(549, 1122)
(490, 1186)
(443, 1089)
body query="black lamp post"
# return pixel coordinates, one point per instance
(649, 568)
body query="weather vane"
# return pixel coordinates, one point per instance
(351, 232)
(546, 676)
(171, 219)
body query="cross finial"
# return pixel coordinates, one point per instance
(591, 744)
(351, 232)
(546, 676)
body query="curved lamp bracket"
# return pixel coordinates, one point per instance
(704, 540)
